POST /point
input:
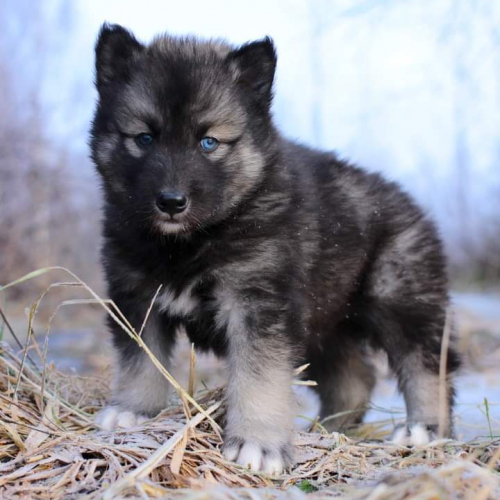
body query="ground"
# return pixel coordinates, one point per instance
(49, 447)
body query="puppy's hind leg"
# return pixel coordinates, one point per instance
(346, 379)
(427, 405)
(406, 303)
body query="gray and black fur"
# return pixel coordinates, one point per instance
(284, 254)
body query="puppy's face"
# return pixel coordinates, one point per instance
(182, 129)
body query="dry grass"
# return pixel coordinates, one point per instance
(49, 448)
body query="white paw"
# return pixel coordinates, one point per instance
(254, 457)
(412, 435)
(114, 417)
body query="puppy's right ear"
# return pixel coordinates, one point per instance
(115, 50)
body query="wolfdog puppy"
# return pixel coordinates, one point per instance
(269, 253)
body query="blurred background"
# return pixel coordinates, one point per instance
(410, 89)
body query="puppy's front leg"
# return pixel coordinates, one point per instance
(139, 389)
(259, 396)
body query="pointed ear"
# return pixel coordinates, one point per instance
(114, 50)
(254, 65)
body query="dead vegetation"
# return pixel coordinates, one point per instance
(50, 449)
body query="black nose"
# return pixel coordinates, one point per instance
(171, 202)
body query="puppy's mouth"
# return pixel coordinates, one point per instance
(172, 227)
(171, 224)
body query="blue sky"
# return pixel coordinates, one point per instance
(409, 88)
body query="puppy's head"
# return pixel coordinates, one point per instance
(182, 131)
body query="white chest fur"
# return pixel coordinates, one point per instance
(180, 305)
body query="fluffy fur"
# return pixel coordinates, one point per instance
(284, 255)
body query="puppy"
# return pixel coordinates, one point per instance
(269, 253)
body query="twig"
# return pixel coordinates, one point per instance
(192, 366)
(150, 308)
(443, 388)
(16, 338)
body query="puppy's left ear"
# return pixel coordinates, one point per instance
(254, 65)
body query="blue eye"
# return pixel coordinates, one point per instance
(144, 140)
(209, 144)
